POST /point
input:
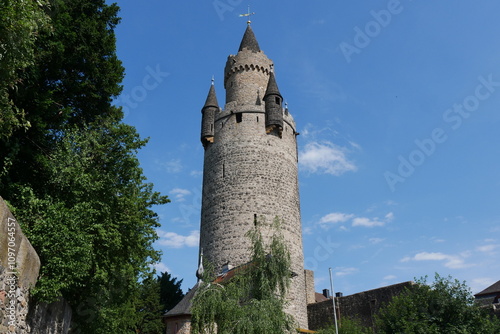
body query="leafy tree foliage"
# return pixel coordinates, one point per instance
(150, 309)
(92, 223)
(68, 165)
(347, 326)
(170, 291)
(445, 306)
(20, 23)
(253, 300)
(156, 295)
(71, 79)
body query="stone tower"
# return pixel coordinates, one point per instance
(250, 167)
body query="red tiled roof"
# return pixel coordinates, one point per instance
(319, 297)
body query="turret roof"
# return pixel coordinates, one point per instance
(249, 41)
(211, 98)
(272, 86)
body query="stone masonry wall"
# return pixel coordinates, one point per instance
(362, 306)
(19, 266)
(250, 175)
(310, 292)
(180, 325)
(53, 318)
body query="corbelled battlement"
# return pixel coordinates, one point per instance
(246, 61)
(246, 76)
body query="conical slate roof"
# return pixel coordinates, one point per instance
(249, 41)
(211, 99)
(272, 86)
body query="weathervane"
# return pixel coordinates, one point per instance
(248, 14)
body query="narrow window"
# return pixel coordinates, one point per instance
(257, 119)
(255, 219)
(239, 117)
(211, 127)
(277, 100)
(223, 170)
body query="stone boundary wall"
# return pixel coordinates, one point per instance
(362, 306)
(54, 318)
(19, 267)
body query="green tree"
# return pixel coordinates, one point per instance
(150, 309)
(21, 21)
(68, 75)
(92, 225)
(69, 165)
(170, 291)
(445, 306)
(253, 300)
(347, 326)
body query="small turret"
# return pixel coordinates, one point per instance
(274, 109)
(208, 117)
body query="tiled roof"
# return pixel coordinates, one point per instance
(184, 306)
(319, 297)
(494, 288)
(249, 41)
(211, 98)
(272, 86)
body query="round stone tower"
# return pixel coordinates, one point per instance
(250, 167)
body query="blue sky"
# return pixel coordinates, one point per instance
(397, 103)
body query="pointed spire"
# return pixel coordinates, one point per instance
(272, 86)
(249, 41)
(200, 271)
(211, 98)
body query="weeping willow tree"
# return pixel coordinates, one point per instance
(254, 299)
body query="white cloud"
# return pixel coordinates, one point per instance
(335, 217)
(344, 271)
(375, 241)
(388, 280)
(307, 230)
(339, 217)
(174, 240)
(172, 166)
(326, 158)
(180, 194)
(450, 261)
(161, 268)
(487, 248)
(367, 222)
(196, 173)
